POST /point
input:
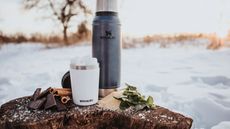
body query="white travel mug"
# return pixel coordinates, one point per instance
(84, 74)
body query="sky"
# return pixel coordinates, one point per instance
(138, 17)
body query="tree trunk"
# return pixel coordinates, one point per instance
(65, 36)
(15, 115)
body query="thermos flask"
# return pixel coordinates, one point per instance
(106, 45)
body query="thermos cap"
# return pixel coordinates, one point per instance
(106, 6)
(84, 63)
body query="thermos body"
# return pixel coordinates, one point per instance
(106, 47)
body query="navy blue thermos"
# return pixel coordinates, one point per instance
(106, 45)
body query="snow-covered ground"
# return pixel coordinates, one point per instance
(187, 79)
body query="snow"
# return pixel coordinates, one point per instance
(187, 79)
(222, 125)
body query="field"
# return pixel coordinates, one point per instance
(186, 78)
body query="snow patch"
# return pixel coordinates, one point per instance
(222, 125)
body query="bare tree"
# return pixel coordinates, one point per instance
(62, 10)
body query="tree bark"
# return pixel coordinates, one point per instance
(65, 35)
(16, 115)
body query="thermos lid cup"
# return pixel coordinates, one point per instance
(106, 5)
(84, 76)
(78, 63)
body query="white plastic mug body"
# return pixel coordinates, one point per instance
(85, 85)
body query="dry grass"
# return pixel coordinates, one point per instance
(127, 42)
(218, 42)
(45, 39)
(82, 34)
(165, 40)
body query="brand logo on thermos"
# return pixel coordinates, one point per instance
(89, 100)
(107, 35)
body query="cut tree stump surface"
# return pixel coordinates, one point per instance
(15, 115)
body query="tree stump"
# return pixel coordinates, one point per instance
(15, 115)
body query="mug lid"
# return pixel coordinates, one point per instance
(85, 62)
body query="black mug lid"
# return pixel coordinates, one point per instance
(66, 83)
